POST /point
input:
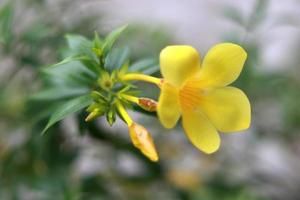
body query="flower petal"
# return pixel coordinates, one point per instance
(227, 108)
(200, 131)
(222, 65)
(178, 63)
(168, 108)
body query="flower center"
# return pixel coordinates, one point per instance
(190, 96)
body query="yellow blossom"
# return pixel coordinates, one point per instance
(199, 92)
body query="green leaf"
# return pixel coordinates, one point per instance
(35, 33)
(77, 42)
(116, 58)
(6, 23)
(85, 60)
(97, 42)
(68, 108)
(80, 45)
(69, 74)
(146, 66)
(111, 38)
(70, 59)
(151, 70)
(57, 93)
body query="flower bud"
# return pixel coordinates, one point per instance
(111, 117)
(95, 113)
(105, 81)
(147, 104)
(142, 140)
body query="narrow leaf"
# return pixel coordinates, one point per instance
(70, 59)
(146, 66)
(97, 42)
(57, 93)
(116, 58)
(85, 60)
(80, 45)
(69, 74)
(68, 108)
(6, 23)
(111, 38)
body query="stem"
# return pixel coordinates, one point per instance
(142, 77)
(124, 114)
(130, 98)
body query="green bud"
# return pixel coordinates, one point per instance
(105, 81)
(111, 116)
(97, 51)
(97, 45)
(91, 107)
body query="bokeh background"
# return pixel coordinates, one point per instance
(75, 160)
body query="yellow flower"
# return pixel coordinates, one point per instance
(199, 92)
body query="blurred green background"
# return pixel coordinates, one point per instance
(77, 160)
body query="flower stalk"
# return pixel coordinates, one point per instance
(124, 114)
(142, 77)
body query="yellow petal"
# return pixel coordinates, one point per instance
(178, 63)
(168, 108)
(200, 131)
(222, 65)
(227, 108)
(142, 140)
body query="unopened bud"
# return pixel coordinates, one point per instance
(142, 140)
(95, 113)
(147, 104)
(111, 117)
(97, 51)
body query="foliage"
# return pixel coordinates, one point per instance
(94, 68)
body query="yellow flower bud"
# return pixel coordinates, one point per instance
(105, 81)
(147, 104)
(142, 140)
(94, 114)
